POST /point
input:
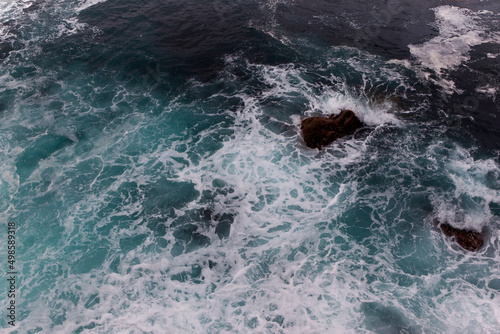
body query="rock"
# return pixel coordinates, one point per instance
(468, 239)
(321, 131)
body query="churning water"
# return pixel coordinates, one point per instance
(152, 162)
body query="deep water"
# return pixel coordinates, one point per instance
(152, 161)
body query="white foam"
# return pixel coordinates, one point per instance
(488, 90)
(9, 8)
(288, 81)
(370, 114)
(475, 188)
(12, 180)
(459, 30)
(263, 276)
(63, 20)
(84, 4)
(276, 265)
(70, 26)
(276, 180)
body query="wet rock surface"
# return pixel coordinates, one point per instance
(321, 131)
(468, 239)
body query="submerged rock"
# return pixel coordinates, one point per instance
(321, 131)
(468, 239)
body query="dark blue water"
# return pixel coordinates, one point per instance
(153, 164)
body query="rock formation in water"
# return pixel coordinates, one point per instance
(468, 239)
(321, 131)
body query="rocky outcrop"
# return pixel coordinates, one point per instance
(321, 131)
(468, 239)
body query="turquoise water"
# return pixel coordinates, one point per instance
(154, 196)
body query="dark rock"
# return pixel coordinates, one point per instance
(321, 131)
(468, 239)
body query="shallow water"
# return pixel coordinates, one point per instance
(153, 165)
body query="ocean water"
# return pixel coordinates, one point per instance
(152, 161)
